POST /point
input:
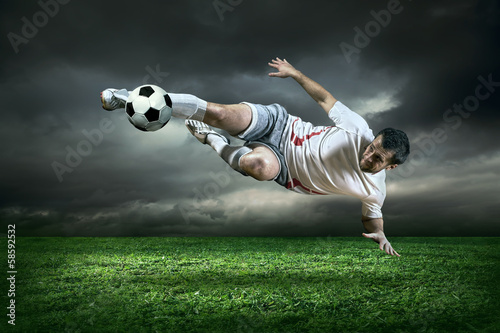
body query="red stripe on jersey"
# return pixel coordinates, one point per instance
(299, 141)
(295, 182)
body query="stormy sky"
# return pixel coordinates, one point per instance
(69, 168)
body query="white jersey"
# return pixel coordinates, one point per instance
(325, 159)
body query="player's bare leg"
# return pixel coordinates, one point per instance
(254, 160)
(232, 118)
(261, 163)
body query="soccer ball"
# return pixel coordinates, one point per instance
(148, 108)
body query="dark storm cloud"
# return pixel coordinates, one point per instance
(428, 58)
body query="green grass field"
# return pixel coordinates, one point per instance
(254, 285)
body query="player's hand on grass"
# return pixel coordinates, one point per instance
(384, 244)
(284, 68)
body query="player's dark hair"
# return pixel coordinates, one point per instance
(396, 141)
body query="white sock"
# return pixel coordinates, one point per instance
(230, 154)
(216, 142)
(187, 106)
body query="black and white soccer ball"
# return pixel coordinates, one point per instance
(148, 108)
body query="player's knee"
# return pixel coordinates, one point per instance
(258, 166)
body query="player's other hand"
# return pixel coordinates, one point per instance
(283, 67)
(384, 244)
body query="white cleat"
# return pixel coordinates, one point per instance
(113, 99)
(201, 131)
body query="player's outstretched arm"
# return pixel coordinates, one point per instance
(375, 229)
(314, 89)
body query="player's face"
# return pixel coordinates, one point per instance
(375, 158)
